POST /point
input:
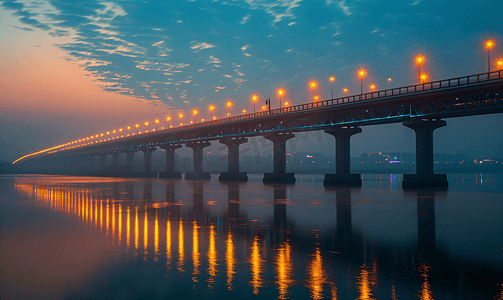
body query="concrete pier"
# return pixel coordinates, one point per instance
(424, 177)
(170, 162)
(197, 154)
(279, 145)
(147, 162)
(115, 160)
(233, 173)
(343, 176)
(130, 159)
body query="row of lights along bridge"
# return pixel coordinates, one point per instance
(419, 61)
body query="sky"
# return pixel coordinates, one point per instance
(70, 69)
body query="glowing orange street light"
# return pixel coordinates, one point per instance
(229, 106)
(254, 99)
(372, 87)
(420, 59)
(156, 124)
(146, 126)
(361, 73)
(313, 85)
(211, 108)
(281, 93)
(423, 78)
(194, 113)
(286, 104)
(499, 64)
(389, 83)
(316, 98)
(137, 125)
(332, 79)
(244, 111)
(264, 108)
(489, 45)
(108, 133)
(345, 91)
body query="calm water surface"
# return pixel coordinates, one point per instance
(105, 238)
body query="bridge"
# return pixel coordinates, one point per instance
(420, 107)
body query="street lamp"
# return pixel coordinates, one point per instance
(212, 108)
(229, 106)
(137, 125)
(389, 83)
(146, 126)
(419, 61)
(332, 79)
(345, 91)
(254, 99)
(372, 87)
(489, 45)
(315, 98)
(361, 73)
(313, 85)
(499, 64)
(423, 78)
(194, 113)
(281, 93)
(156, 124)
(180, 116)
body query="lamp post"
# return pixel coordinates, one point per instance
(146, 126)
(389, 83)
(180, 116)
(281, 93)
(489, 45)
(419, 61)
(168, 119)
(332, 79)
(423, 78)
(254, 99)
(194, 113)
(137, 125)
(156, 124)
(499, 64)
(345, 91)
(372, 87)
(229, 106)
(361, 74)
(313, 85)
(212, 108)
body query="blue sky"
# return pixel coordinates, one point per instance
(180, 55)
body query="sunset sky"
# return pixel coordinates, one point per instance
(70, 69)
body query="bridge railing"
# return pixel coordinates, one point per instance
(439, 84)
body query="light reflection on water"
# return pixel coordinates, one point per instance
(285, 242)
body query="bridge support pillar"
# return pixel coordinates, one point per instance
(115, 162)
(279, 148)
(103, 160)
(130, 159)
(197, 154)
(147, 162)
(424, 176)
(233, 173)
(170, 162)
(343, 176)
